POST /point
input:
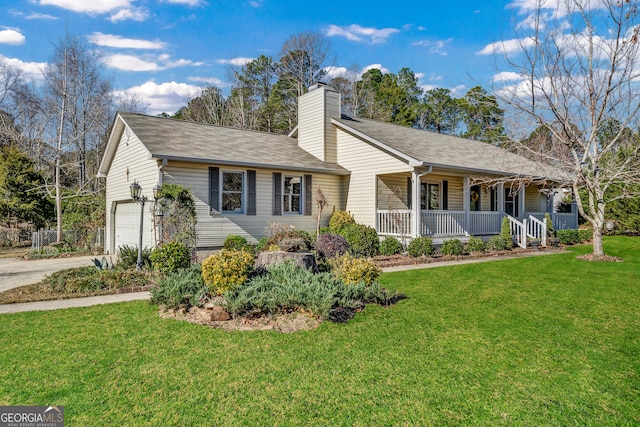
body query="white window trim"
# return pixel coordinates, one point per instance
(300, 201)
(243, 197)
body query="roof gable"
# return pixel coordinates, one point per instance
(181, 140)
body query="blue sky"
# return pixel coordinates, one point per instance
(165, 50)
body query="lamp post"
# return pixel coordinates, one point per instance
(157, 214)
(136, 195)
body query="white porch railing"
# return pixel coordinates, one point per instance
(485, 222)
(537, 229)
(445, 223)
(565, 221)
(394, 222)
(439, 223)
(518, 231)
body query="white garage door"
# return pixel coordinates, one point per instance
(127, 225)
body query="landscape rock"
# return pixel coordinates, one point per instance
(219, 314)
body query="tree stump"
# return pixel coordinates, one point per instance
(302, 259)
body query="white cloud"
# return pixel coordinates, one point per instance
(41, 16)
(131, 13)
(356, 33)
(256, 3)
(457, 90)
(30, 70)
(433, 77)
(507, 46)
(507, 76)
(166, 97)
(120, 42)
(435, 47)
(372, 66)
(208, 80)
(10, 36)
(87, 6)
(147, 63)
(238, 62)
(421, 28)
(335, 72)
(419, 75)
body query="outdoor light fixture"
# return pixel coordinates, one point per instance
(136, 195)
(157, 192)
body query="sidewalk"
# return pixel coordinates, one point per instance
(107, 299)
(72, 302)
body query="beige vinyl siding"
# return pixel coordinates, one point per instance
(365, 162)
(130, 163)
(534, 201)
(213, 229)
(455, 188)
(316, 134)
(392, 191)
(485, 198)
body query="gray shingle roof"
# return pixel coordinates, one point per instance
(196, 142)
(443, 150)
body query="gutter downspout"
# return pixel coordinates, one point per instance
(416, 224)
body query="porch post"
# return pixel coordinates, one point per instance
(521, 192)
(466, 202)
(416, 201)
(500, 192)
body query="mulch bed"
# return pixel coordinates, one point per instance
(601, 258)
(397, 260)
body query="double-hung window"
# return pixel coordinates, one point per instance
(431, 196)
(232, 192)
(291, 194)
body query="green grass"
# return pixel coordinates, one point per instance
(537, 341)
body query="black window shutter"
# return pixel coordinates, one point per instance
(308, 195)
(445, 195)
(214, 190)
(251, 192)
(277, 193)
(409, 193)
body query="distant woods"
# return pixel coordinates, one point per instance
(264, 94)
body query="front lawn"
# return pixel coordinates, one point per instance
(546, 340)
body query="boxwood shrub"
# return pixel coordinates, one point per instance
(420, 246)
(363, 240)
(170, 257)
(390, 246)
(452, 247)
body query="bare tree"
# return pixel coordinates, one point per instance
(578, 63)
(302, 59)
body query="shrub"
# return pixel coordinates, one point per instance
(420, 246)
(235, 242)
(90, 280)
(293, 244)
(288, 287)
(338, 220)
(390, 246)
(505, 229)
(585, 235)
(452, 247)
(277, 232)
(128, 257)
(182, 288)
(568, 237)
(262, 244)
(331, 245)
(226, 270)
(170, 257)
(550, 231)
(499, 243)
(476, 245)
(354, 270)
(362, 239)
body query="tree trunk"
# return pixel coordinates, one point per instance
(597, 242)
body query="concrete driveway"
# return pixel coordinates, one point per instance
(15, 272)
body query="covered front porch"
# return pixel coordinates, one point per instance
(451, 206)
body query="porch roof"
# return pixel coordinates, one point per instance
(419, 146)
